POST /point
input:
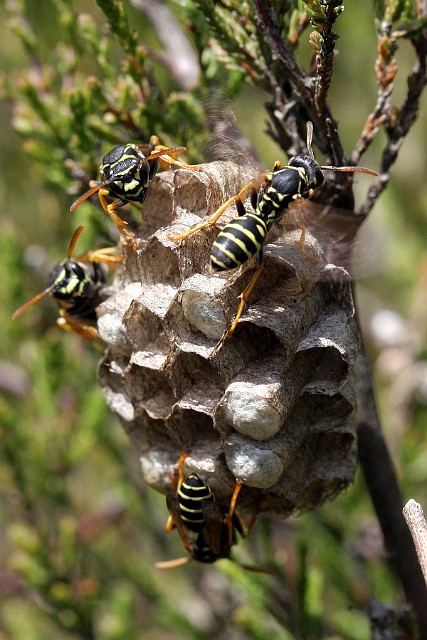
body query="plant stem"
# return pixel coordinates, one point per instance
(381, 481)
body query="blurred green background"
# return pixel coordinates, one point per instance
(80, 531)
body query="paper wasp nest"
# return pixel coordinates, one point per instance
(273, 406)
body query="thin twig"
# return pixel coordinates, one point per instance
(323, 39)
(381, 480)
(399, 122)
(415, 519)
(180, 57)
(303, 86)
(385, 71)
(267, 23)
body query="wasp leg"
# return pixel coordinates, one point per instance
(232, 521)
(210, 222)
(244, 296)
(110, 210)
(106, 255)
(249, 526)
(167, 160)
(170, 524)
(68, 323)
(301, 245)
(164, 154)
(229, 519)
(135, 206)
(181, 461)
(175, 514)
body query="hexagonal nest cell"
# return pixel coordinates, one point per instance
(275, 405)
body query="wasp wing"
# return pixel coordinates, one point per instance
(340, 234)
(217, 532)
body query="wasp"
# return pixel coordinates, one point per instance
(126, 173)
(77, 286)
(243, 237)
(207, 530)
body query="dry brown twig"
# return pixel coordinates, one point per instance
(396, 122)
(415, 519)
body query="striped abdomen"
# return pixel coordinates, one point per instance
(191, 494)
(240, 239)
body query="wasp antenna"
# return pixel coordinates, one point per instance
(310, 139)
(87, 195)
(29, 303)
(349, 169)
(172, 564)
(73, 243)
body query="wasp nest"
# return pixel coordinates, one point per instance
(275, 405)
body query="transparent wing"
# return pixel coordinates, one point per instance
(340, 233)
(216, 530)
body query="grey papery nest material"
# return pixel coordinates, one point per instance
(275, 405)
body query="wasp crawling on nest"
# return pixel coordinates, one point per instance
(77, 286)
(270, 197)
(126, 173)
(207, 531)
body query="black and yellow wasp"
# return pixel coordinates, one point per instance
(126, 173)
(207, 530)
(77, 286)
(243, 237)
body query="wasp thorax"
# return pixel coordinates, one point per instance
(275, 405)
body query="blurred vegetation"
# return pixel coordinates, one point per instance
(81, 530)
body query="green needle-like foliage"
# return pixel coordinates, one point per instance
(80, 529)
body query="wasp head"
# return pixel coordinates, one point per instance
(69, 281)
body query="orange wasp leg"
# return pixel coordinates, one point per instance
(243, 299)
(165, 153)
(106, 255)
(229, 519)
(301, 245)
(170, 524)
(210, 222)
(68, 323)
(244, 296)
(110, 210)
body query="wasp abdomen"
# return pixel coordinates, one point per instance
(237, 242)
(191, 494)
(201, 550)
